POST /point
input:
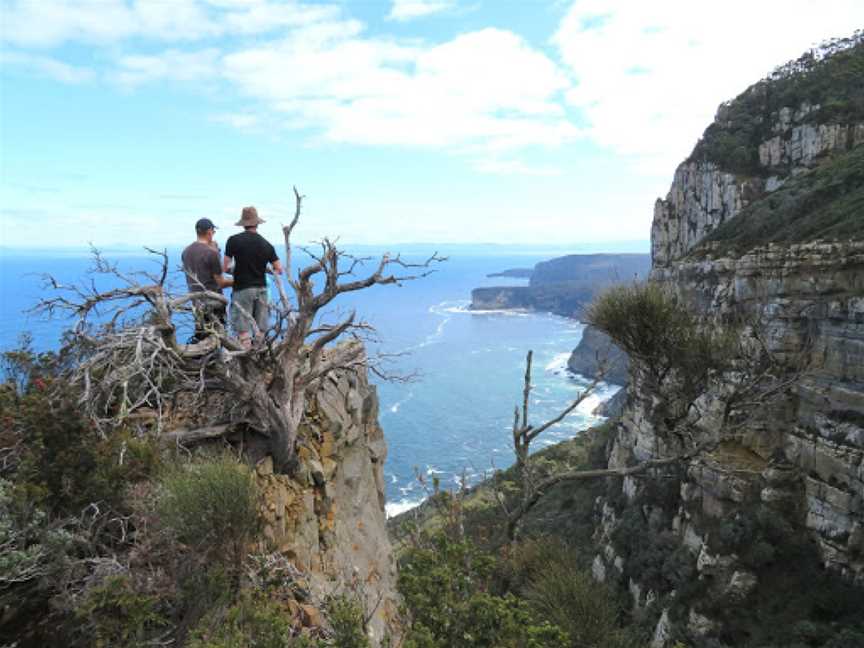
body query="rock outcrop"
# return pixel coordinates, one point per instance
(596, 349)
(563, 286)
(602, 268)
(703, 196)
(329, 519)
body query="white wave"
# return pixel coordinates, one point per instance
(395, 508)
(394, 409)
(507, 312)
(432, 470)
(393, 479)
(559, 362)
(442, 311)
(602, 393)
(462, 307)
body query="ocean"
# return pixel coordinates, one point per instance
(453, 420)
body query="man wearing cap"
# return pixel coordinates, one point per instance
(250, 253)
(204, 273)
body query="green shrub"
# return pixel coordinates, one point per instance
(33, 548)
(347, 620)
(114, 615)
(254, 621)
(63, 463)
(446, 585)
(211, 506)
(650, 323)
(570, 598)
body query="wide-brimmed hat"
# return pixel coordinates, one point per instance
(249, 218)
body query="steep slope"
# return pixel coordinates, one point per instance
(329, 520)
(763, 220)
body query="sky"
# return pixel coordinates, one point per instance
(502, 121)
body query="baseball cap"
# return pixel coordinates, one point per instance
(204, 224)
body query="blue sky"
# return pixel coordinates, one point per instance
(499, 121)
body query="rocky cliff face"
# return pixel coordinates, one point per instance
(703, 196)
(329, 520)
(595, 348)
(802, 460)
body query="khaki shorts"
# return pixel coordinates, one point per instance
(254, 302)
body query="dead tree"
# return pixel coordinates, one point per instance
(133, 358)
(694, 370)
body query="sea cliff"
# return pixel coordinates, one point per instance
(798, 274)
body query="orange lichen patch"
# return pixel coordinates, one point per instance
(310, 616)
(373, 576)
(731, 455)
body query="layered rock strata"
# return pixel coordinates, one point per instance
(803, 456)
(703, 196)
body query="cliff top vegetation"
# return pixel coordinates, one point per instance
(828, 76)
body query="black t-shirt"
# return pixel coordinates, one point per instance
(201, 262)
(251, 253)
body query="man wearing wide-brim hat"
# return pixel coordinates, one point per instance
(250, 253)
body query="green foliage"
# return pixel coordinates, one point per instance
(829, 77)
(445, 585)
(347, 620)
(32, 548)
(211, 506)
(114, 615)
(825, 204)
(568, 597)
(756, 534)
(62, 462)
(254, 621)
(650, 323)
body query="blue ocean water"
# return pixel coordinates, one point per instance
(454, 419)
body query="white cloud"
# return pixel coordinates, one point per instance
(409, 9)
(482, 91)
(49, 23)
(172, 65)
(513, 167)
(48, 66)
(651, 75)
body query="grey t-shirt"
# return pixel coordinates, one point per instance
(201, 262)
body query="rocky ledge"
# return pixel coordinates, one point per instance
(329, 519)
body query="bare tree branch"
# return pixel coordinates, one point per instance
(137, 362)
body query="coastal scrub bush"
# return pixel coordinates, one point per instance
(650, 323)
(113, 615)
(568, 597)
(211, 506)
(253, 621)
(445, 584)
(59, 460)
(347, 620)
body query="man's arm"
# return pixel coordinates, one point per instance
(277, 267)
(223, 282)
(226, 264)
